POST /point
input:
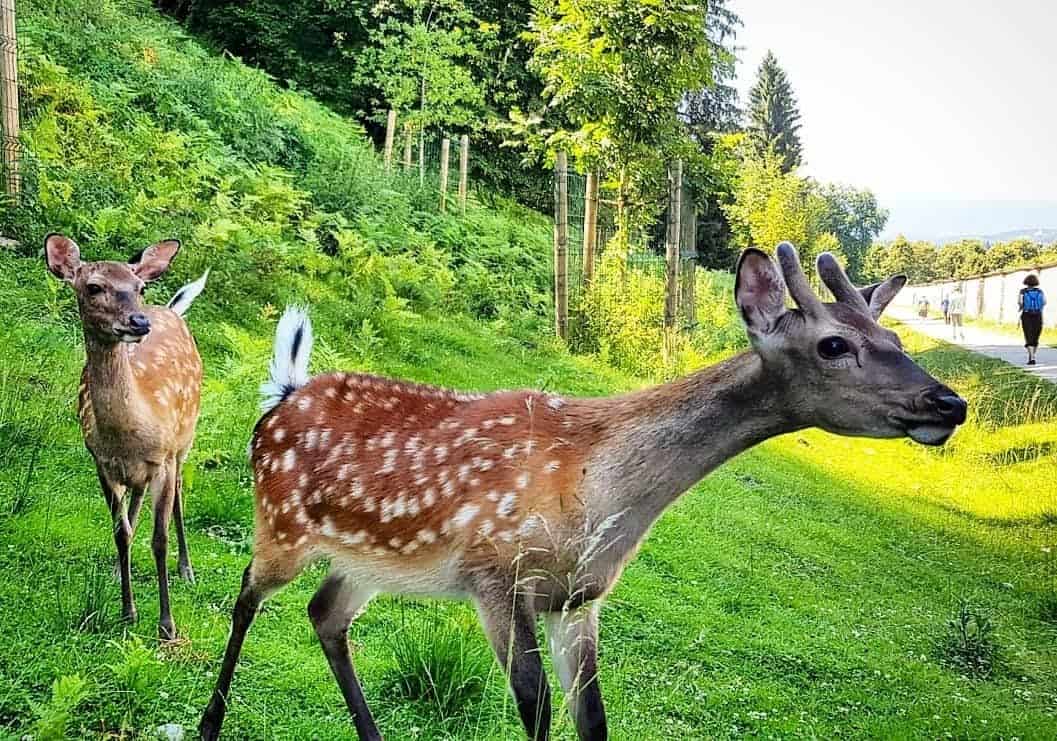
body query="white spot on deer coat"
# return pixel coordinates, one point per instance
(465, 515)
(506, 505)
(289, 459)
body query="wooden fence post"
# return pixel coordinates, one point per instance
(561, 245)
(9, 124)
(445, 149)
(390, 133)
(674, 237)
(590, 226)
(690, 279)
(422, 156)
(464, 163)
(407, 147)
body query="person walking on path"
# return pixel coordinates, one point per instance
(945, 304)
(956, 307)
(1031, 302)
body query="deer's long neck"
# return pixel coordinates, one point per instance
(110, 382)
(661, 441)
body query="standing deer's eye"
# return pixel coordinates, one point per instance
(94, 289)
(832, 348)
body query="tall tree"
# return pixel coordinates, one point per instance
(711, 114)
(855, 219)
(714, 108)
(617, 73)
(774, 120)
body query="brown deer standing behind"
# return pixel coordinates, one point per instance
(139, 398)
(531, 504)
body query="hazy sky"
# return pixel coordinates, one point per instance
(918, 101)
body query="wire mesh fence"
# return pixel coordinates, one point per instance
(9, 114)
(438, 166)
(642, 251)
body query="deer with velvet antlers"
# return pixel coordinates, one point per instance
(531, 504)
(138, 400)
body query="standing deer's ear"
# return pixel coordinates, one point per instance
(879, 295)
(154, 261)
(63, 256)
(759, 291)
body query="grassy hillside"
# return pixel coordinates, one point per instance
(806, 589)
(135, 132)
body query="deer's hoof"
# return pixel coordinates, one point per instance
(187, 573)
(208, 730)
(129, 615)
(166, 631)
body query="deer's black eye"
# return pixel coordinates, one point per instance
(832, 348)
(94, 289)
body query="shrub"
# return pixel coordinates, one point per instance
(969, 645)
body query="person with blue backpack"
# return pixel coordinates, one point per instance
(1032, 301)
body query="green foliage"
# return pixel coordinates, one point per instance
(419, 55)
(855, 219)
(771, 206)
(54, 717)
(616, 72)
(969, 645)
(774, 120)
(923, 261)
(624, 310)
(150, 136)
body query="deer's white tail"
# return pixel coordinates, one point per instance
(182, 299)
(289, 369)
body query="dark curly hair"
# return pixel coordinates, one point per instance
(1031, 280)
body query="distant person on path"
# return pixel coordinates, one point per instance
(945, 304)
(1031, 303)
(956, 307)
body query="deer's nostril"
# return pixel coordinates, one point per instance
(951, 407)
(139, 323)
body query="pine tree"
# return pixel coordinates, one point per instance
(774, 121)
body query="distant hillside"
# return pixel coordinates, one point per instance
(1043, 236)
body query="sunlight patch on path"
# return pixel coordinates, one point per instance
(985, 342)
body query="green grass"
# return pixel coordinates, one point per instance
(806, 589)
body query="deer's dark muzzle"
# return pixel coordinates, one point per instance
(139, 324)
(950, 407)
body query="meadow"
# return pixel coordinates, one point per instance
(814, 587)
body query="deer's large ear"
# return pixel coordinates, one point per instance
(63, 256)
(879, 295)
(759, 291)
(154, 261)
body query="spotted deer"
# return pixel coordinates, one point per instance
(139, 398)
(530, 503)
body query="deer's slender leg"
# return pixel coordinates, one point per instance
(135, 503)
(265, 574)
(332, 610)
(509, 624)
(183, 561)
(573, 638)
(123, 541)
(162, 493)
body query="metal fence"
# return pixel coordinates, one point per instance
(643, 251)
(9, 118)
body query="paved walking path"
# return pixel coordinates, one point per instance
(987, 342)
